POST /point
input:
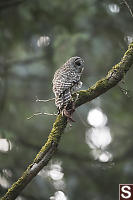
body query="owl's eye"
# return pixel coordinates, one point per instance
(77, 62)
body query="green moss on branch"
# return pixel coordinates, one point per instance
(54, 137)
(46, 152)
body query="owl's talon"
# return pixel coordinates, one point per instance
(68, 114)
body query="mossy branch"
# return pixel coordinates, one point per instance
(110, 80)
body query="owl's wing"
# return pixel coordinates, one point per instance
(61, 86)
(63, 81)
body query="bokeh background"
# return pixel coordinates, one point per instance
(95, 154)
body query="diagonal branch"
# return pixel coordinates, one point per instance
(110, 80)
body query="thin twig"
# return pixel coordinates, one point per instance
(41, 113)
(126, 3)
(41, 100)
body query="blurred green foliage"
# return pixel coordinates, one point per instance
(99, 32)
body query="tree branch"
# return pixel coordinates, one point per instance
(110, 80)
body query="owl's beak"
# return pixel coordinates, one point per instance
(81, 61)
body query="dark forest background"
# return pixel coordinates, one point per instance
(95, 154)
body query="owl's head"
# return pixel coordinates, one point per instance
(77, 63)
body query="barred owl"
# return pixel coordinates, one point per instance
(65, 82)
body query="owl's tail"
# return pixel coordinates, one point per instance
(63, 99)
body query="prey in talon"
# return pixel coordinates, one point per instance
(66, 81)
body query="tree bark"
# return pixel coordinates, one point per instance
(113, 77)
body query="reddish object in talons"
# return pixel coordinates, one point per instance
(68, 111)
(68, 114)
